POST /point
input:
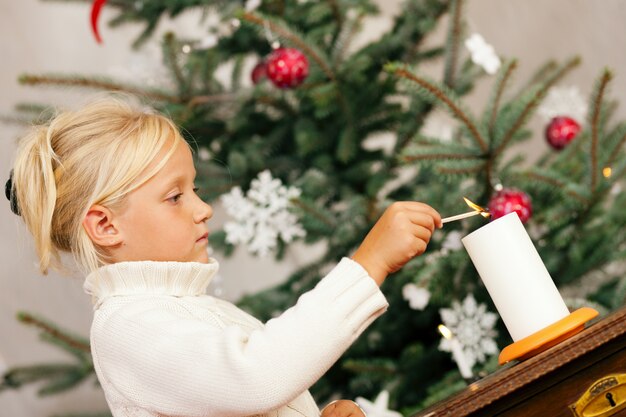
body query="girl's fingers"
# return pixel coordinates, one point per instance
(422, 233)
(418, 207)
(342, 408)
(419, 218)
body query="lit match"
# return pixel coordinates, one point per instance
(476, 210)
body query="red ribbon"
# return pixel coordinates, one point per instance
(96, 6)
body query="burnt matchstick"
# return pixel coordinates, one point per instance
(477, 210)
(460, 216)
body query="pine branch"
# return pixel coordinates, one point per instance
(80, 354)
(493, 105)
(557, 184)
(419, 109)
(334, 6)
(307, 208)
(345, 37)
(211, 99)
(615, 151)
(277, 103)
(443, 97)
(346, 148)
(74, 342)
(555, 159)
(64, 382)
(169, 51)
(427, 54)
(30, 114)
(442, 156)
(596, 105)
(461, 171)
(620, 172)
(456, 167)
(538, 95)
(19, 376)
(571, 152)
(278, 7)
(440, 153)
(452, 42)
(381, 366)
(95, 83)
(36, 108)
(619, 297)
(538, 76)
(20, 121)
(285, 33)
(235, 75)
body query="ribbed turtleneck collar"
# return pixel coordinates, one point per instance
(150, 277)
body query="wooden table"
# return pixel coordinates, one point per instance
(591, 363)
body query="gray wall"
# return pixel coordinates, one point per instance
(55, 37)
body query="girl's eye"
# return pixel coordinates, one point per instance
(196, 189)
(175, 198)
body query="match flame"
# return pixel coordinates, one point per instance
(445, 332)
(483, 211)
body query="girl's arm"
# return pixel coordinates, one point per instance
(154, 352)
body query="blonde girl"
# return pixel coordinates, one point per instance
(114, 186)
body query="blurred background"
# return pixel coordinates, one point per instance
(55, 37)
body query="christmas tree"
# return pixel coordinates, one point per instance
(291, 157)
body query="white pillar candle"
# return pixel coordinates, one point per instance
(515, 276)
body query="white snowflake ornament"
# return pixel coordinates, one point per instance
(378, 408)
(262, 216)
(473, 327)
(482, 53)
(563, 101)
(418, 297)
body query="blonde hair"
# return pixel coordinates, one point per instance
(91, 156)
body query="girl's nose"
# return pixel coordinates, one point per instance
(203, 212)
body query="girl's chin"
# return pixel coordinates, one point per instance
(204, 258)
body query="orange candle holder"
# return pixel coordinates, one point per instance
(547, 337)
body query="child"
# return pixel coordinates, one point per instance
(114, 186)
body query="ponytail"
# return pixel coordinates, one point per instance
(35, 188)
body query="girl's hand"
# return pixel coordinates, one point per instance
(342, 408)
(401, 233)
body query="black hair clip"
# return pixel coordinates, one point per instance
(9, 191)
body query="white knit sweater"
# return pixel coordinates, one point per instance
(162, 347)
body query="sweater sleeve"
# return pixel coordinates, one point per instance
(156, 355)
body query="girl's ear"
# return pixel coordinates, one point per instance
(98, 224)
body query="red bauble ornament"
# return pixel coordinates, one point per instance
(258, 73)
(286, 67)
(509, 200)
(561, 131)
